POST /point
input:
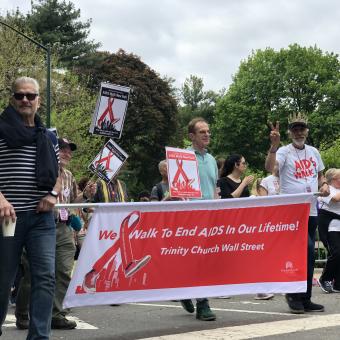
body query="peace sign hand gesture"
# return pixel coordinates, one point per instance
(274, 134)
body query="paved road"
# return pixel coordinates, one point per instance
(240, 317)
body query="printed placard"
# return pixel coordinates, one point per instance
(109, 115)
(108, 162)
(183, 173)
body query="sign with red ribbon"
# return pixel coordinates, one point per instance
(108, 162)
(190, 249)
(109, 115)
(183, 173)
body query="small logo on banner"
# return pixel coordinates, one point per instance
(289, 265)
(289, 268)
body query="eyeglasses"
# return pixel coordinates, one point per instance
(29, 96)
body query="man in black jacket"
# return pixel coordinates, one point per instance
(29, 188)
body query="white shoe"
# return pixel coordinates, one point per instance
(262, 296)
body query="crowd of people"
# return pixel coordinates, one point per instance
(34, 177)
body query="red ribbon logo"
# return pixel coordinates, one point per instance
(108, 111)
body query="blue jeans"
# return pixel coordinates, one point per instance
(36, 232)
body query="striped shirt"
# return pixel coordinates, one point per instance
(69, 191)
(18, 178)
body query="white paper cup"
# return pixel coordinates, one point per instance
(8, 227)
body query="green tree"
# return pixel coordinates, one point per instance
(19, 57)
(269, 86)
(196, 101)
(72, 103)
(74, 108)
(331, 155)
(192, 92)
(57, 23)
(151, 119)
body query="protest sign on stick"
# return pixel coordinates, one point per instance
(108, 162)
(109, 115)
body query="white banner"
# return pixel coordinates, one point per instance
(155, 251)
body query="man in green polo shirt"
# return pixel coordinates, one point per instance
(199, 134)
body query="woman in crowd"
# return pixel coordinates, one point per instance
(270, 185)
(329, 219)
(231, 185)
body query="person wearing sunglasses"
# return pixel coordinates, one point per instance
(199, 134)
(29, 187)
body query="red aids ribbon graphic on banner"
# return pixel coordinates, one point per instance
(137, 252)
(108, 111)
(105, 269)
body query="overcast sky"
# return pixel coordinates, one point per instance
(205, 38)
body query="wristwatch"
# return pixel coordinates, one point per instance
(53, 193)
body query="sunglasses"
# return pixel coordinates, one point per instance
(29, 96)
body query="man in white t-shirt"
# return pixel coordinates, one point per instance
(300, 168)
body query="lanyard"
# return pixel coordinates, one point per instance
(297, 154)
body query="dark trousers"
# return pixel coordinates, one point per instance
(323, 234)
(312, 225)
(332, 269)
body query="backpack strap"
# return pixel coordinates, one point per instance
(121, 191)
(160, 192)
(105, 191)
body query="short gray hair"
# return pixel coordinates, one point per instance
(23, 80)
(161, 163)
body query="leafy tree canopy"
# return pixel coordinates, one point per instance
(19, 57)
(72, 103)
(269, 86)
(56, 23)
(196, 101)
(331, 155)
(151, 119)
